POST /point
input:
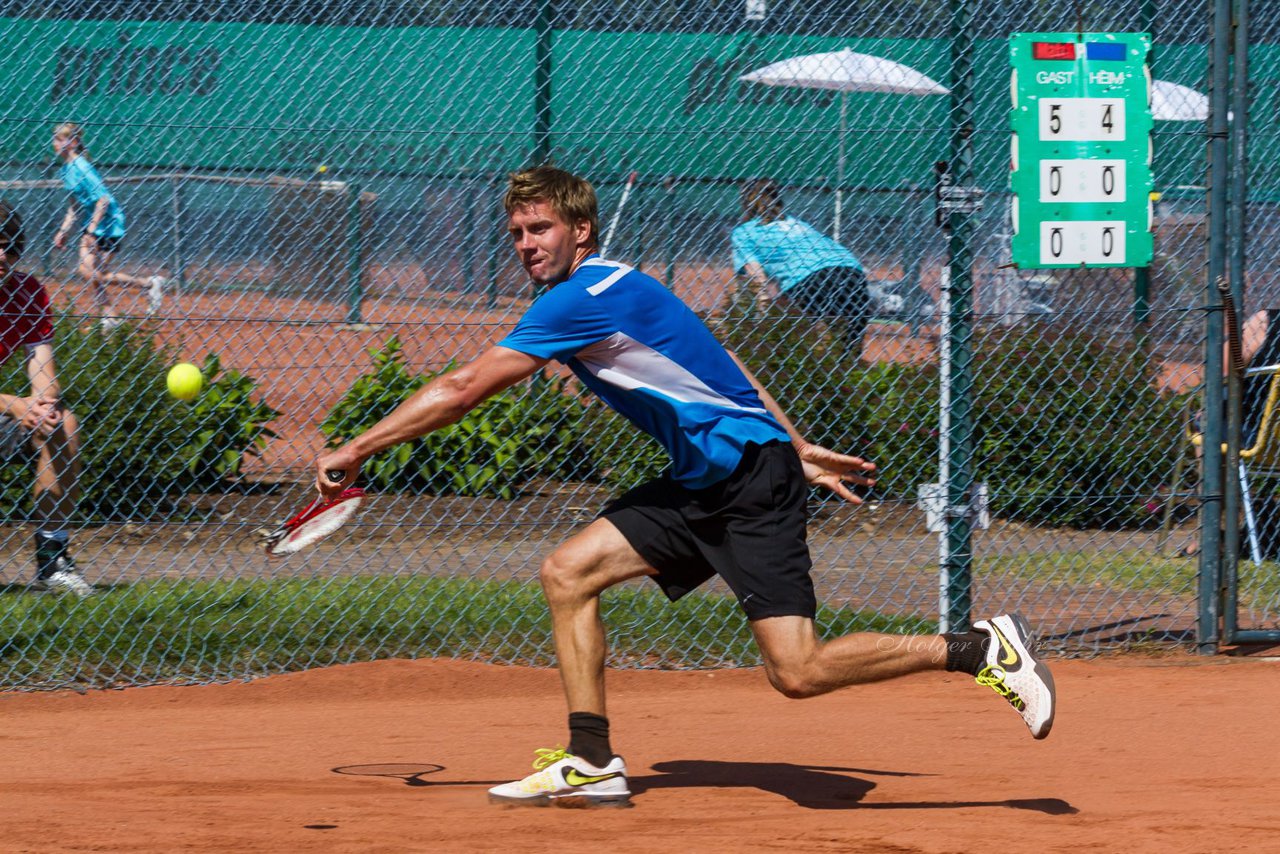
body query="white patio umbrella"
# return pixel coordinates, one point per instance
(1173, 102)
(845, 71)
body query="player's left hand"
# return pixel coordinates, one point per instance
(826, 468)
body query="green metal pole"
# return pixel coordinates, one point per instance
(959, 487)
(1141, 299)
(1142, 275)
(1211, 508)
(355, 292)
(542, 60)
(1238, 213)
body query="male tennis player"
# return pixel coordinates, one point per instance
(36, 428)
(732, 502)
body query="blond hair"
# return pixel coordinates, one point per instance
(571, 198)
(73, 131)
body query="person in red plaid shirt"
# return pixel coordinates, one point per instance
(36, 427)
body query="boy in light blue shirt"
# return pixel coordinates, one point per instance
(96, 216)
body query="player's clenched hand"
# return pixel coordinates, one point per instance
(826, 468)
(340, 460)
(42, 415)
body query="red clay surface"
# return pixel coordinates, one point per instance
(1168, 754)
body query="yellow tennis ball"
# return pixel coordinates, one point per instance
(185, 381)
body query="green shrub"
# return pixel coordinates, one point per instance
(1069, 429)
(140, 447)
(530, 430)
(230, 424)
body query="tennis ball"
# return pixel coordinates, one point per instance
(185, 381)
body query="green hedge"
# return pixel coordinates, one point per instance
(140, 448)
(1069, 428)
(529, 431)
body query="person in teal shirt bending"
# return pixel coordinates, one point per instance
(788, 257)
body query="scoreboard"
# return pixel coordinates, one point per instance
(1081, 149)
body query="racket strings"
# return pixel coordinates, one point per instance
(316, 528)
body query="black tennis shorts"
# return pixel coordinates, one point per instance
(749, 529)
(107, 244)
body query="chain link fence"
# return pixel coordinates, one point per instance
(320, 182)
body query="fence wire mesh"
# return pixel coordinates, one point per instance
(319, 183)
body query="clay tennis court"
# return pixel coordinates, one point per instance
(1165, 754)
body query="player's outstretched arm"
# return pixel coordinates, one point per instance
(438, 404)
(822, 467)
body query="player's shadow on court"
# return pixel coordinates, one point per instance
(812, 787)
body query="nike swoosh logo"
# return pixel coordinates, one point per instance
(1010, 657)
(573, 778)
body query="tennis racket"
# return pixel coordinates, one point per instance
(320, 519)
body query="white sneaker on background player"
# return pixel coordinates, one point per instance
(155, 294)
(561, 778)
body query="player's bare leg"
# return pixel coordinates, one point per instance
(95, 267)
(999, 653)
(56, 490)
(58, 472)
(573, 578)
(799, 665)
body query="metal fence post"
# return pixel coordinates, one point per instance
(542, 82)
(1239, 221)
(175, 202)
(669, 185)
(355, 264)
(1211, 515)
(958, 489)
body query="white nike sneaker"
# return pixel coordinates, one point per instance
(155, 294)
(1013, 672)
(562, 779)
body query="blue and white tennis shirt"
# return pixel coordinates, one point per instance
(648, 356)
(85, 184)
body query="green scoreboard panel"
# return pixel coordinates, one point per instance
(1081, 149)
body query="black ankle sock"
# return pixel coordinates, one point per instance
(966, 651)
(589, 738)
